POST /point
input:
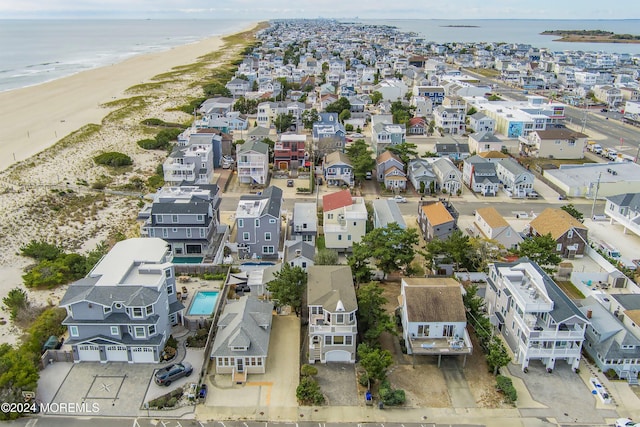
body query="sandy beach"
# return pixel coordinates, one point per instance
(35, 118)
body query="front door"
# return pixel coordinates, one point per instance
(240, 364)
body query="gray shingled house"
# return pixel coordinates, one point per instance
(258, 224)
(122, 311)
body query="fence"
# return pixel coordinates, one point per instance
(50, 356)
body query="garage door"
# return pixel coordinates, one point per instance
(337, 356)
(89, 353)
(117, 353)
(142, 355)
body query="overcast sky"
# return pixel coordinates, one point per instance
(366, 9)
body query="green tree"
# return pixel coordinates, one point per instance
(40, 250)
(401, 113)
(326, 257)
(18, 373)
(376, 97)
(571, 210)
(498, 356)
(338, 106)
(344, 115)
(391, 247)
(361, 159)
(541, 250)
(406, 151)
(309, 117)
(246, 106)
(216, 89)
(308, 392)
(372, 318)
(348, 127)
(359, 263)
(288, 286)
(283, 122)
(15, 301)
(374, 361)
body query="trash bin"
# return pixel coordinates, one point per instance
(380, 405)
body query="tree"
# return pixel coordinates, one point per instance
(40, 250)
(309, 117)
(376, 97)
(571, 210)
(288, 286)
(359, 263)
(374, 361)
(326, 257)
(308, 392)
(283, 122)
(541, 250)
(15, 301)
(405, 151)
(391, 247)
(246, 106)
(113, 159)
(344, 115)
(498, 356)
(472, 110)
(401, 113)
(456, 248)
(338, 106)
(372, 318)
(361, 158)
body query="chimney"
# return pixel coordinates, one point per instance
(589, 314)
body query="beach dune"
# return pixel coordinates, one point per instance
(34, 118)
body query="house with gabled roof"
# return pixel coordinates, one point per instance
(569, 233)
(421, 175)
(435, 221)
(258, 220)
(480, 176)
(332, 307)
(337, 169)
(517, 181)
(434, 321)
(448, 176)
(123, 310)
(385, 212)
(493, 226)
(253, 162)
(241, 344)
(479, 122)
(299, 254)
(535, 317)
(624, 209)
(344, 220)
(390, 171)
(483, 141)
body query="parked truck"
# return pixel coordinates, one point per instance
(610, 154)
(594, 148)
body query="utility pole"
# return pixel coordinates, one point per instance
(595, 197)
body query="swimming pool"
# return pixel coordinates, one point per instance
(203, 304)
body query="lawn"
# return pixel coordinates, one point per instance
(569, 289)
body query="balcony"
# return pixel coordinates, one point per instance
(437, 346)
(253, 165)
(326, 329)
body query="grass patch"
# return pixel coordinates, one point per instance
(569, 289)
(486, 72)
(146, 87)
(128, 106)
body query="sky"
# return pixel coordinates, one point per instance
(364, 9)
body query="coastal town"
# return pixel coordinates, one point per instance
(351, 225)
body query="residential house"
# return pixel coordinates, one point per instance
(624, 209)
(241, 344)
(455, 151)
(493, 156)
(391, 89)
(328, 134)
(610, 95)
(434, 320)
(122, 311)
(188, 219)
(238, 87)
(569, 233)
(300, 254)
(435, 221)
(483, 141)
(258, 219)
(517, 181)
(561, 143)
(417, 126)
(385, 212)
(493, 226)
(480, 176)
(390, 171)
(192, 164)
(290, 151)
(304, 225)
(626, 307)
(253, 162)
(384, 133)
(536, 318)
(448, 176)
(337, 169)
(332, 306)
(449, 120)
(609, 342)
(421, 175)
(434, 93)
(344, 220)
(479, 122)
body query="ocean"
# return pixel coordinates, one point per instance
(37, 51)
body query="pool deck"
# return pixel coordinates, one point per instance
(194, 285)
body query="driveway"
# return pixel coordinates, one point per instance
(338, 383)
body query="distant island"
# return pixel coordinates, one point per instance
(591, 36)
(460, 26)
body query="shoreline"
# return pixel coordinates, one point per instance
(30, 204)
(34, 118)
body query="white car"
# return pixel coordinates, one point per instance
(625, 422)
(398, 199)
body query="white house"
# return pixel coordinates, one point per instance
(253, 163)
(517, 181)
(344, 220)
(555, 144)
(493, 226)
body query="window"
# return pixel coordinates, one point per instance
(175, 230)
(352, 316)
(559, 247)
(570, 234)
(202, 232)
(115, 330)
(73, 331)
(149, 310)
(106, 310)
(339, 236)
(338, 340)
(167, 273)
(165, 233)
(349, 236)
(174, 218)
(152, 330)
(348, 340)
(257, 222)
(330, 216)
(304, 264)
(200, 217)
(169, 289)
(268, 250)
(267, 236)
(188, 232)
(272, 221)
(158, 218)
(138, 331)
(447, 330)
(245, 236)
(423, 330)
(327, 340)
(137, 311)
(240, 222)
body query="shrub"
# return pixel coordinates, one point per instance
(172, 342)
(113, 159)
(363, 379)
(308, 370)
(149, 144)
(308, 392)
(390, 396)
(505, 385)
(15, 301)
(40, 250)
(172, 402)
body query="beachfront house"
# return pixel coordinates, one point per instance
(188, 219)
(241, 344)
(332, 307)
(192, 163)
(258, 219)
(535, 317)
(123, 310)
(434, 321)
(624, 209)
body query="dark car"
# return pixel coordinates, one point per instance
(171, 373)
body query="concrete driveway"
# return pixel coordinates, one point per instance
(338, 383)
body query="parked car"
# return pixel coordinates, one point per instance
(227, 162)
(604, 110)
(625, 422)
(289, 183)
(533, 195)
(171, 373)
(368, 176)
(398, 199)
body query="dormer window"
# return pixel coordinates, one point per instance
(106, 310)
(136, 312)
